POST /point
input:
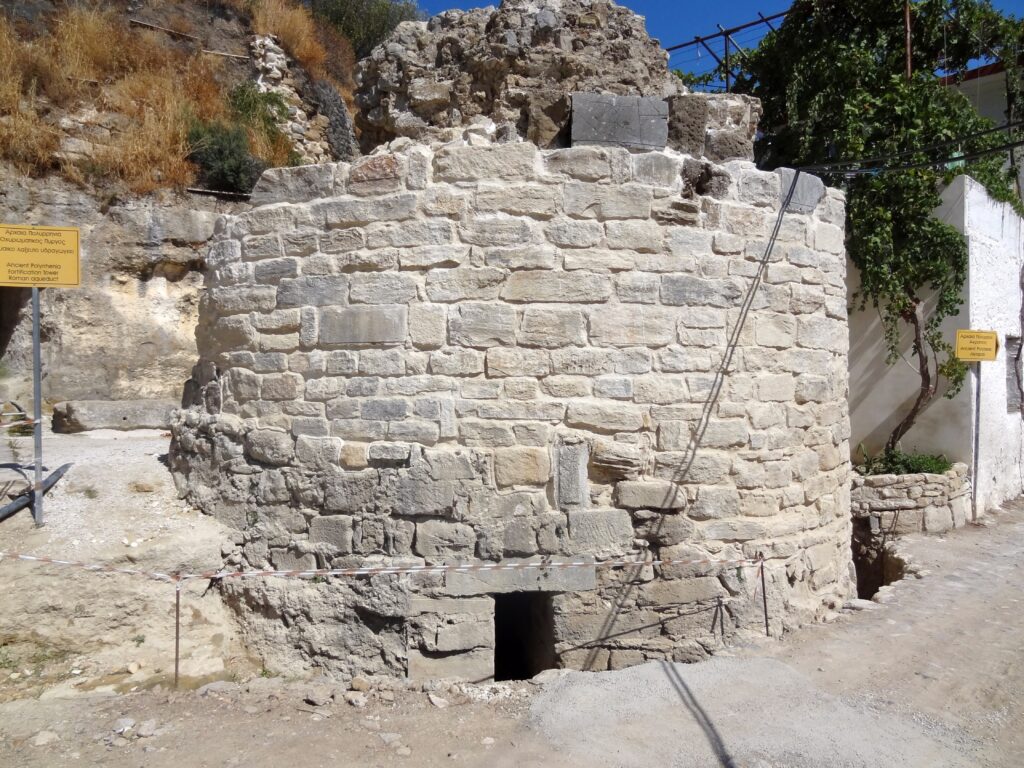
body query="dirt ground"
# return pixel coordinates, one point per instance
(931, 676)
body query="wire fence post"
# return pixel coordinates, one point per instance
(764, 596)
(177, 627)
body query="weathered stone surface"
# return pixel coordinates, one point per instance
(522, 466)
(571, 488)
(363, 325)
(436, 539)
(270, 446)
(650, 494)
(633, 326)
(548, 286)
(601, 532)
(552, 327)
(502, 161)
(482, 325)
(605, 418)
(335, 531)
(617, 461)
(315, 291)
(476, 665)
(626, 121)
(526, 580)
(690, 291)
(804, 195)
(516, 64)
(306, 183)
(84, 415)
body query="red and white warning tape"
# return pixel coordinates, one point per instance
(377, 570)
(99, 567)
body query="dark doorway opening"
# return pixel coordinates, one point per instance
(524, 635)
(874, 558)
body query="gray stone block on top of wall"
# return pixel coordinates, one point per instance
(638, 122)
(808, 193)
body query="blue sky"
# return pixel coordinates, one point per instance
(677, 21)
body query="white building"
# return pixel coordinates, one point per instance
(985, 88)
(993, 300)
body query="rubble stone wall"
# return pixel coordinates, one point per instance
(496, 354)
(516, 66)
(318, 125)
(914, 503)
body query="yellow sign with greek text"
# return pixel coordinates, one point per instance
(39, 257)
(977, 346)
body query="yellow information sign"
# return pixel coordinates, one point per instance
(39, 257)
(976, 346)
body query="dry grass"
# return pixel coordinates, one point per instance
(276, 150)
(25, 139)
(28, 141)
(340, 67)
(293, 25)
(92, 52)
(162, 104)
(92, 56)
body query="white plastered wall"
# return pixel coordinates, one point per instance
(880, 393)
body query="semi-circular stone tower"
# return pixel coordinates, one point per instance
(494, 353)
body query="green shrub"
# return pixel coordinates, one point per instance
(896, 462)
(259, 110)
(366, 23)
(222, 154)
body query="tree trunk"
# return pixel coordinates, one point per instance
(915, 316)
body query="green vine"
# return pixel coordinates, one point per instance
(833, 86)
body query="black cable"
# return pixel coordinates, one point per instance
(827, 168)
(918, 150)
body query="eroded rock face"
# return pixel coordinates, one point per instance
(129, 331)
(515, 65)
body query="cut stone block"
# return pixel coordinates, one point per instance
(381, 324)
(808, 192)
(525, 580)
(475, 666)
(635, 122)
(650, 494)
(83, 415)
(601, 532)
(571, 486)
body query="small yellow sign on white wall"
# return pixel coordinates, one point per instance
(977, 346)
(39, 257)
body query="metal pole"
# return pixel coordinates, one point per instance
(37, 407)
(977, 439)
(727, 64)
(177, 630)
(721, 619)
(764, 599)
(906, 33)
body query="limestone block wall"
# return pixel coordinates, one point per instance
(914, 503)
(497, 353)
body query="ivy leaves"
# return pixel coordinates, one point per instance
(833, 87)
